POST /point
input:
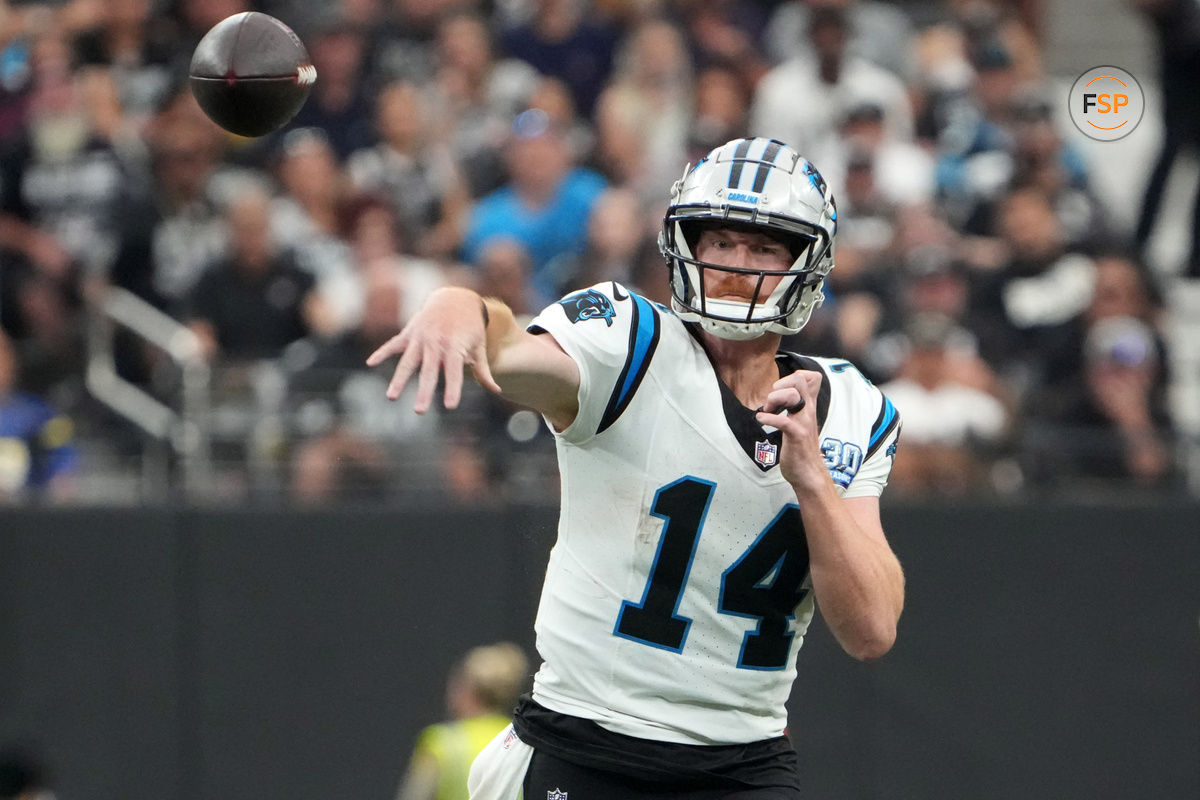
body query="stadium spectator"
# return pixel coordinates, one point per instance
(1040, 284)
(138, 49)
(350, 444)
(975, 139)
(480, 694)
(879, 32)
(1123, 288)
(61, 181)
(169, 233)
(953, 430)
(414, 171)
(1112, 424)
(803, 99)
(546, 202)
(727, 33)
(197, 17)
(37, 455)
(50, 342)
(339, 103)
(504, 272)
(929, 279)
(406, 39)
(901, 170)
(108, 170)
(643, 114)
(496, 451)
(867, 212)
(552, 96)
(1012, 26)
(378, 244)
(1020, 148)
(474, 95)
(638, 399)
(306, 218)
(255, 301)
(722, 110)
(562, 40)
(616, 234)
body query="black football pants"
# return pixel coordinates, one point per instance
(551, 778)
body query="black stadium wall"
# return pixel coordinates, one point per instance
(1045, 652)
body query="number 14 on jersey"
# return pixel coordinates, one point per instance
(765, 583)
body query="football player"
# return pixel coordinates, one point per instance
(714, 490)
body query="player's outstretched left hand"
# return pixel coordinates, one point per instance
(445, 337)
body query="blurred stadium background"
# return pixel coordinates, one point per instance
(227, 567)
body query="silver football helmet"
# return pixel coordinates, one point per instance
(757, 184)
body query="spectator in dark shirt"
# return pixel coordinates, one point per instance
(171, 232)
(339, 103)
(562, 42)
(254, 302)
(1113, 425)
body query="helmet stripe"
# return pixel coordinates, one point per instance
(739, 158)
(764, 167)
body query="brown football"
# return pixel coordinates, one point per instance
(251, 74)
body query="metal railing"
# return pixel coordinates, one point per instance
(183, 429)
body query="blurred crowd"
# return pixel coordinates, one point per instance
(526, 148)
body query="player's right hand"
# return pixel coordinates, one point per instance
(445, 337)
(793, 400)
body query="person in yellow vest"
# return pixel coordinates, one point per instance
(480, 695)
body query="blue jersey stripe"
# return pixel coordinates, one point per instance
(643, 340)
(647, 324)
(883, 425)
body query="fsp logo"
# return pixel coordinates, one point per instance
(1106, 103)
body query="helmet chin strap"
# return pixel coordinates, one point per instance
(744, 331)
(726, 328)
(733, 331)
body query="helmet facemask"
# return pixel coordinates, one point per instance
(692, 282)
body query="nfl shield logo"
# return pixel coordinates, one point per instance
(556, 795)
(766, 453)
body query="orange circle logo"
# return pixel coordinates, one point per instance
(1106, 103)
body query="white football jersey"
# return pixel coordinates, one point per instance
(678, 592)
